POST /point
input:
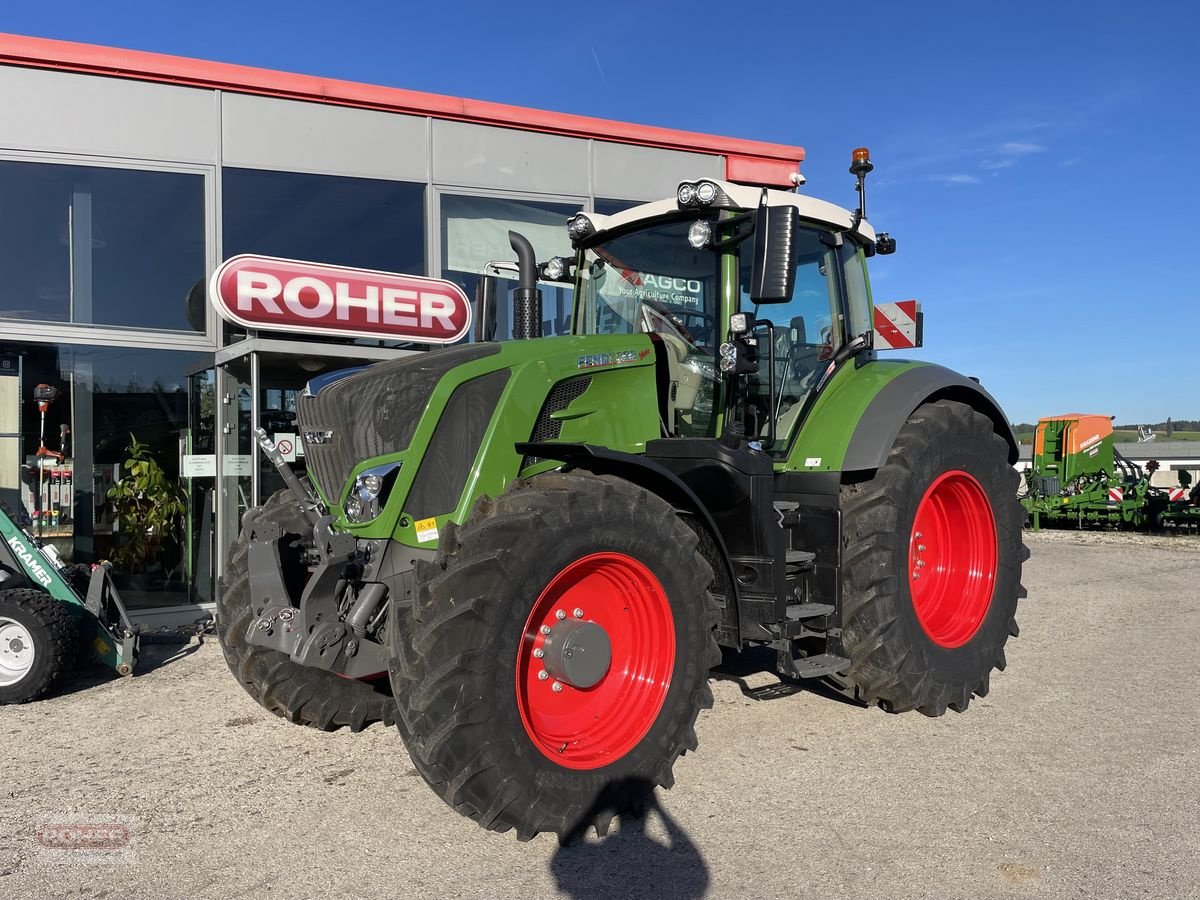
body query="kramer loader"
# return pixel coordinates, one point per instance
(528, 554)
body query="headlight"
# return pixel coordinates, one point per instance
(369, 492)
(554, 269)
(579, 226)
(728, 360)
(706, 192)
(687, 194)
(700, 233)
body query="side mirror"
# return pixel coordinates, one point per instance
(773, 275)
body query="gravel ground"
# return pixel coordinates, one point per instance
(1076, 777)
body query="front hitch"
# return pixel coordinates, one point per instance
(311, 632)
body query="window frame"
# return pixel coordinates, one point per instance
(44, 331)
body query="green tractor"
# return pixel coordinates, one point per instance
(529, 554)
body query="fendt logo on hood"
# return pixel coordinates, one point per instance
(313, 298)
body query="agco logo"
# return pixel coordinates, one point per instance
(318, 437)
(312, 298)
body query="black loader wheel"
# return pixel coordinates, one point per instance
(556, 655)
(300, 694)
(38, 643)
(932, 563)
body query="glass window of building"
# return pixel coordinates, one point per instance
(610, 207)
(72, 417)
(367, 223)
(475, 233)
(104, 246)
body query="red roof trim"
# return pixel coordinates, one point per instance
(44, 53)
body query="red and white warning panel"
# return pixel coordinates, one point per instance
(1116, 495)
(313, 298)
(899, 325)
(1176, 494)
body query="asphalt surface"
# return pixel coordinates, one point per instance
(1076, 777)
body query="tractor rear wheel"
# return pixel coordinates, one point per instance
(38, 642)
(556, 655)
(932, 564)
(300, 694)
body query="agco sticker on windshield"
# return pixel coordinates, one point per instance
(312, 298)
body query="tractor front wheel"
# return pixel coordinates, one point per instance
(38, 641)
(556, 655)
(932, 564)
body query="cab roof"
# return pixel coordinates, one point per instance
(744, 197)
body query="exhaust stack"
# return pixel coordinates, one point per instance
(527, 299)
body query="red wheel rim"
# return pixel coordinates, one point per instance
(952, 558)
(592, 727)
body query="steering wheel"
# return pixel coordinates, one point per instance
(677, 322)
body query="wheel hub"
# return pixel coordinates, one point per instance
(595, 660)
(577, 653)
(16, 652)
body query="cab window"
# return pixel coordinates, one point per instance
(809, 329)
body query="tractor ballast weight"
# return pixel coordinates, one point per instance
(529, 553)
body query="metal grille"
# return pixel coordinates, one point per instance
(372, 412)
(447, 462)
(1049, 485)
(547, 428)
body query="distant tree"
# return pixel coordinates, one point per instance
(1170, 427)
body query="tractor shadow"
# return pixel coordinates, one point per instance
(630, 862)
(741, 668)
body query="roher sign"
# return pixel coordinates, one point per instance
(314, 298)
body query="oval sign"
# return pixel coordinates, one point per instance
(315, 298)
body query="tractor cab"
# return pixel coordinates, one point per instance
(755, 295)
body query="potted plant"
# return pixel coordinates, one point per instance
(149, 506)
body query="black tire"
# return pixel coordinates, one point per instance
(455, 653)
(55, 639)
(300, 694)
(895, 661)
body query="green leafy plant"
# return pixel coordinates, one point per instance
(149, 506)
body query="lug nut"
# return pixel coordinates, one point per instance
(920, 548)
(543, 675)
(578, 613)
(920, 563)
(539, 653)
(556, 687)
(917, 535)
(916, 575)
(545, 629)
(560, 615)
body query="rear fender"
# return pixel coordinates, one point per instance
(890, 408)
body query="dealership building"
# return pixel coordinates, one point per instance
(127, 177)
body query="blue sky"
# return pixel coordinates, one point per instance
(1034, 161)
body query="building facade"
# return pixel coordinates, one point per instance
(126, 177)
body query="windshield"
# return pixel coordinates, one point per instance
(653, 280)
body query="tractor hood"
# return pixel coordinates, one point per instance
(346, 417)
